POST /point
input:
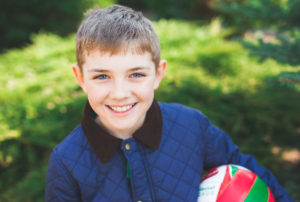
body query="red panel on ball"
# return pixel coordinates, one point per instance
(271, 197)
(239, 187)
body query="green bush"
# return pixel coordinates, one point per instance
(276, 24)
(188, 9)
(20, 18)
(40, 101)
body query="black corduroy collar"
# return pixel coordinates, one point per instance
(104, 144)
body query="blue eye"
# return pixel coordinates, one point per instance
(137, 75)
(102, 76)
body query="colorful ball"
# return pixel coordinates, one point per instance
(233, 183)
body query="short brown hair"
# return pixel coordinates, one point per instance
(116, 29)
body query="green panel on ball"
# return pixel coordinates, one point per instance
(233, 170)
(258, 192)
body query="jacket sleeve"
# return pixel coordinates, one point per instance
(221, 150)
(60, 186)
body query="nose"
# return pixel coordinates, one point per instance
(120, 90)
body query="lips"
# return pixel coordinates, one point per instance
(121, 108)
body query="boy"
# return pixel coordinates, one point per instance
(129, 147)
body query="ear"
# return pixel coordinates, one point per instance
(79, 76)
(160, 72)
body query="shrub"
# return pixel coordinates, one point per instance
(20, 18)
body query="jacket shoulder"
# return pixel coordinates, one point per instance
(72, 146)
(183, 115)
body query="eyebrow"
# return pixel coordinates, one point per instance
(98, 70)
(138, 68)
(106, 70)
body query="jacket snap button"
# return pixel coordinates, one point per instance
(139, 201)
(127, 147)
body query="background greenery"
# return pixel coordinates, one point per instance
(209, 68)
(20, 18)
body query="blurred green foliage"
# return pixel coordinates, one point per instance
(188, 9)
(40, 101)
(20, 18)
(277, 24)
(37, 109)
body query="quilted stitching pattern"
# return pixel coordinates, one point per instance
(176, 164)
(141, 184)
(96, 181)
(76, 174)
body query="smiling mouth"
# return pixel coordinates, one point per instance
(120, 109)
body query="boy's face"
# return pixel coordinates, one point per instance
(120, 88)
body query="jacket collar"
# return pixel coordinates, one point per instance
(104, 144)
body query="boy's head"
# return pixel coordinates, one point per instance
(119, 67)
(114, 30)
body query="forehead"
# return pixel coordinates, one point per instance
(124, 60)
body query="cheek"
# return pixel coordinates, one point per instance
(96, 93)
(145, 92)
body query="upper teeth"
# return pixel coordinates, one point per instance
(121, 109)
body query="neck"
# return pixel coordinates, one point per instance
(121, 134)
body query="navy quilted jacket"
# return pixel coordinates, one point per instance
(171, 173)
